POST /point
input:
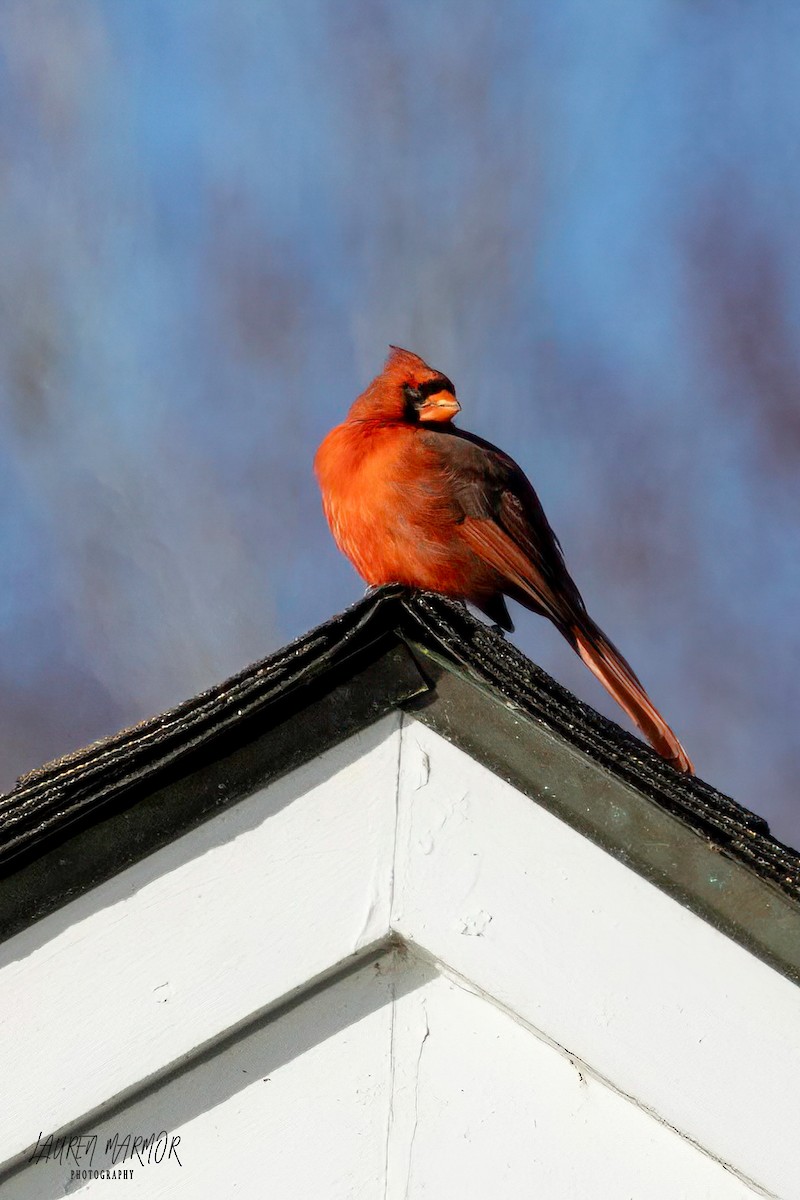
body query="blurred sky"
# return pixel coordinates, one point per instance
(215, 216)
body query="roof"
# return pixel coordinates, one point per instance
(76, 821)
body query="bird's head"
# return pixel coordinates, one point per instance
(407, 390)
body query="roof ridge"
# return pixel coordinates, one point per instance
(44, 799)
(245, 681)
(489, 655)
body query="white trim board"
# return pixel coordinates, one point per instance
(394, 1081)
(398, 831)
(656, 1001)
(198, 937)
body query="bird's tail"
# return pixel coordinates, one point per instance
(605, 661)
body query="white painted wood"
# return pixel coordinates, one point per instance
(296, 1109)
(484, 1110)
(394, 1083)
(655, 1000)
(197, 938)
(548, 942)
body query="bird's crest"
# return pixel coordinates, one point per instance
(403, 362)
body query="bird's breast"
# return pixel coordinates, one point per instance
(390, 506)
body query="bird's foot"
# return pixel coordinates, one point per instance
(386, 588)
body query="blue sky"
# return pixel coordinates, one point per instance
(216, 216)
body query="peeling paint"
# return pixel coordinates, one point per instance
(476, 924)
(423, 769)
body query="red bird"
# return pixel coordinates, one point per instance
(410, 499)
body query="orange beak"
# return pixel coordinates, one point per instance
(442, 406)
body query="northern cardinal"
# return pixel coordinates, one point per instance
(410, 499)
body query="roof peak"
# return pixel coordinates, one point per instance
(391, 649)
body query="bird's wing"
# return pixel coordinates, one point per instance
(504, 523)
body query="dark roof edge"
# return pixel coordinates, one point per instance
(47, 802)
(498, 665)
